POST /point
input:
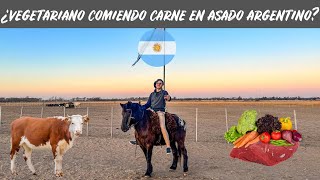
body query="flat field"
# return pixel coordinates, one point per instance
(100, 156)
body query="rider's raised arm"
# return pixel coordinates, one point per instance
(148, 104)
(166, 93)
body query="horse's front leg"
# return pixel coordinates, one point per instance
(148, 158)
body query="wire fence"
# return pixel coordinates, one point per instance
(204, 122)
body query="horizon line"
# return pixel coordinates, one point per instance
(145, 97)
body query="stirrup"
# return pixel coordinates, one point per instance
(168, 150)
(133, 142)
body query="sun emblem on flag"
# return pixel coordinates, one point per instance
(157, 47)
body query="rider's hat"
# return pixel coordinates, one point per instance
(154, 84)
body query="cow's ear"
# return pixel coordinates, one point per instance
(86, 119)
(68, 118)
(121, 104)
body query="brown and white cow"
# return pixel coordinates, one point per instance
(55, 133)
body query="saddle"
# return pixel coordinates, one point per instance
(173, 122)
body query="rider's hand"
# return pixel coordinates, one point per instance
(167, 97)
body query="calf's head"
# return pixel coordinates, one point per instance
(76, 123)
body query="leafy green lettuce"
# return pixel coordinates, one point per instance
(232, 135)
(247, 122)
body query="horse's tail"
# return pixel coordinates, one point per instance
(183, 127)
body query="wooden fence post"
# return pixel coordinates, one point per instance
(295, 119)
(111, 122)
(0, 117)
(87, 122)
(196, 124)
(41, 112)
(21, 111)
(226, 113)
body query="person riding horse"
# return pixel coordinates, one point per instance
(157, 103)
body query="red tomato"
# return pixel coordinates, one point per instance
(265, 137)
(276, 135)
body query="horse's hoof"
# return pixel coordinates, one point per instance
(34, 173)
(185, 170)
(59, 174)
(147, 175)
(172, 168)
(14, 173)
(185, 174)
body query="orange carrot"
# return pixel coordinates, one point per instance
(242, 138)
(255, 140)
(239, 139)
(251, 136)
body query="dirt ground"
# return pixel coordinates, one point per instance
(100, 156)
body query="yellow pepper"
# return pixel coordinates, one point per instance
(286, 123)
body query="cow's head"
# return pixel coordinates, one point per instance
(76, 123)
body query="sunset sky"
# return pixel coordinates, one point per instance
(208, 63)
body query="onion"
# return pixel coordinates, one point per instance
(287, 135)
(296, 136)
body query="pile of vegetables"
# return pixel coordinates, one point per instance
(246, 123)
(280, 130)
(267, 129)
(245, 133)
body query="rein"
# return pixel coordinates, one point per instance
(130, 118)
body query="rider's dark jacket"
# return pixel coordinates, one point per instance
(156, 101)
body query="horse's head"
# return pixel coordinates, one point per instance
(131, 114)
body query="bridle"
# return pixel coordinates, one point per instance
(133, 118)
(130, 117)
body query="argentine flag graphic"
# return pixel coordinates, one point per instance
(157, 47)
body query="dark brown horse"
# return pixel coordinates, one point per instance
(148, 134)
